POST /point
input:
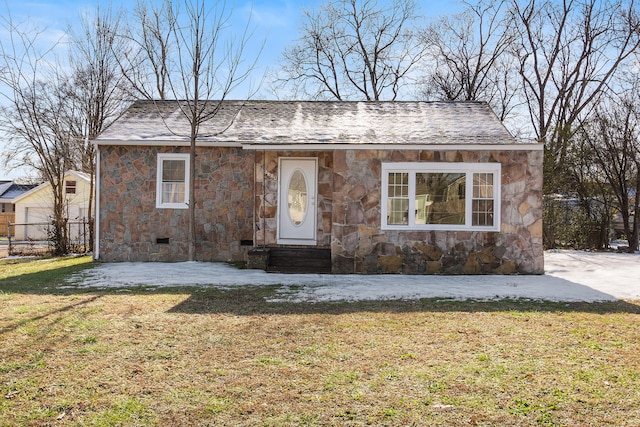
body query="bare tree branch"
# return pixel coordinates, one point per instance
(612, 136)
(568, 54)
(204, 62)
(98, 88)
(469, 58)
(353, 49)
(35, 115)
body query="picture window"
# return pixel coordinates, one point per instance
(441, 196)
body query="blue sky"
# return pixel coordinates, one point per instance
(276, 23)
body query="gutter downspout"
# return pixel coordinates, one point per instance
(264, 198)
(96, 231)
(254, 235)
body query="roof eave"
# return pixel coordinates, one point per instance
(369, 146)
(48, 184)
(167, 143)
(317, 146)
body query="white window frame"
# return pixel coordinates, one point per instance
(412, 168)
(172, 156)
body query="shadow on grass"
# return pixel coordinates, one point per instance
(45, 281)
(60, 310)
(252, 300)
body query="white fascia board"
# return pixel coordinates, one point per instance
(446, 147)
(167, 143)
(325, 146)
(79, 175)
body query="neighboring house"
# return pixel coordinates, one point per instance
(9, 191)
(385, 187)
(35, 207)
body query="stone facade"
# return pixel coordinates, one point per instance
(131, 228)
(360, 246)
(349, 217)
(237, 195)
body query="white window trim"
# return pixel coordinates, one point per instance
(172, 156)
(435, 167)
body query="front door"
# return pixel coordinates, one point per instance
(297, 201)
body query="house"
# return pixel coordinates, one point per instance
(381, 187)
(34, 208)
(9, 191)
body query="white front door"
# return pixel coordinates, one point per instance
(297, 201)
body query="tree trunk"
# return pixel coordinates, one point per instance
(192, 198)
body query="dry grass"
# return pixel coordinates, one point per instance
(228, 358)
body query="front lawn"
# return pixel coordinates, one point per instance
(211, 357)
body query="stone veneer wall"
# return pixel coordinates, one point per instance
(348, 211)
(130, 223)
(359, 246)
(266, 174)
(349, 218)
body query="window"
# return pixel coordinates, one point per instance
(70, 187)
(441, 196)
(172, 186)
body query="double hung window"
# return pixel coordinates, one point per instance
(441, 196)
(172, 182)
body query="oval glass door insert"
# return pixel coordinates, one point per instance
(297, 198)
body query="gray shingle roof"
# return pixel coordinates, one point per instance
(314, 122)
(4, 186)
(10, 190)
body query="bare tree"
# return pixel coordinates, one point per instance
(206, 63)
(583, 214)
(36, 115)
(97, 88)
(468, 58)
(354, 49)
(148, 44)
(54, 109)
(613, 135)
(568, 54)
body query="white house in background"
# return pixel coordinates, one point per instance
(34, 209)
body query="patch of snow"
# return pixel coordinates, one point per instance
(571, 276)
